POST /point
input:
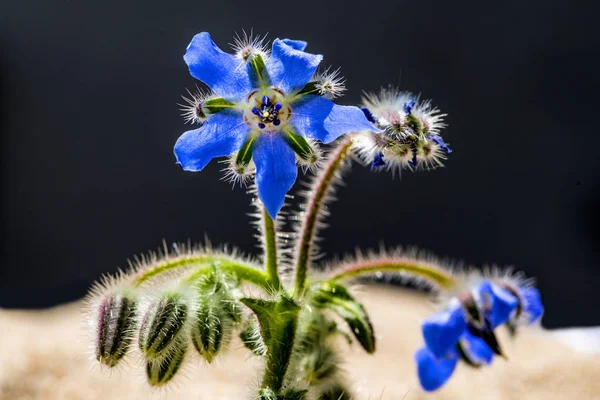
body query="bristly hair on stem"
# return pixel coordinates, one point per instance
(407, 265)
(320, 192)
(272, 241)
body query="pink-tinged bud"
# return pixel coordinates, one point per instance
(116, 321)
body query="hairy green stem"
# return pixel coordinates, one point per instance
(317, 199)
(242, 272)
(432, 275)
(270, 250)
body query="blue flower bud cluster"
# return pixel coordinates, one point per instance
(465, 330)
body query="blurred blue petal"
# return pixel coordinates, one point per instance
(434, 372)
(316, 117)
(441, 331)
(378, 161)
(221, 71)
(291, 69)
(295, 44)
(476, 349)
(533, 304)
(276, 170)
(502, 301)
(440, 142)
(223, 134)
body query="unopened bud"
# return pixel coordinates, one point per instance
(162, 325)
(116, 319)
(162, 370)
(217, 313)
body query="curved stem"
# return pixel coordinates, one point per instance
(270, 243)
(318, 197)
(242, 272)
(428, 273)
(186, 261)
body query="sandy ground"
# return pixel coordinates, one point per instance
(44, 355)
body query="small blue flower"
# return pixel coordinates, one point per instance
(465, 330)
(262, 111)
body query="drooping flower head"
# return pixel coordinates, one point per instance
(411, 132)
(265, 111)
(465, 329)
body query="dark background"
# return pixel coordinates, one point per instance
(89, 118)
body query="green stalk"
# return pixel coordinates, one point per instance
(432, 275)
(270, 242)
(316, 201)
(242, 272)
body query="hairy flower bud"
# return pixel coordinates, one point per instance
(162, 370)
(216, 315)
(116, 319)
(162, 325)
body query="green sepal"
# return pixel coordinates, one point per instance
(244, 155)
(213, 106)
(334, 296)
(299, 144)
(162, 325)
(310, 88)
(257, 71)
(277, 320)
(162, 370)
(415, 124)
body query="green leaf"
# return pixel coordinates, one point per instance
(215, 105)
(277, 320)
(336, 297)
(299, 144)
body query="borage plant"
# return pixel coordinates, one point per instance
(267, 111)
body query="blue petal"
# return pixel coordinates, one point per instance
(476, 349)
(295, 44)
(502, 301)
(222, 72)
(276, 170)
(378, 161)
(441, 331)
(434, 372)
(223, 134)
(532, 304)
(440, 142)
(291, 69)
(316, 117)
(369, 114)
(408, 106)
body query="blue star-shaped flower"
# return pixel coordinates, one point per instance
(464, 330)
(265, 107)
